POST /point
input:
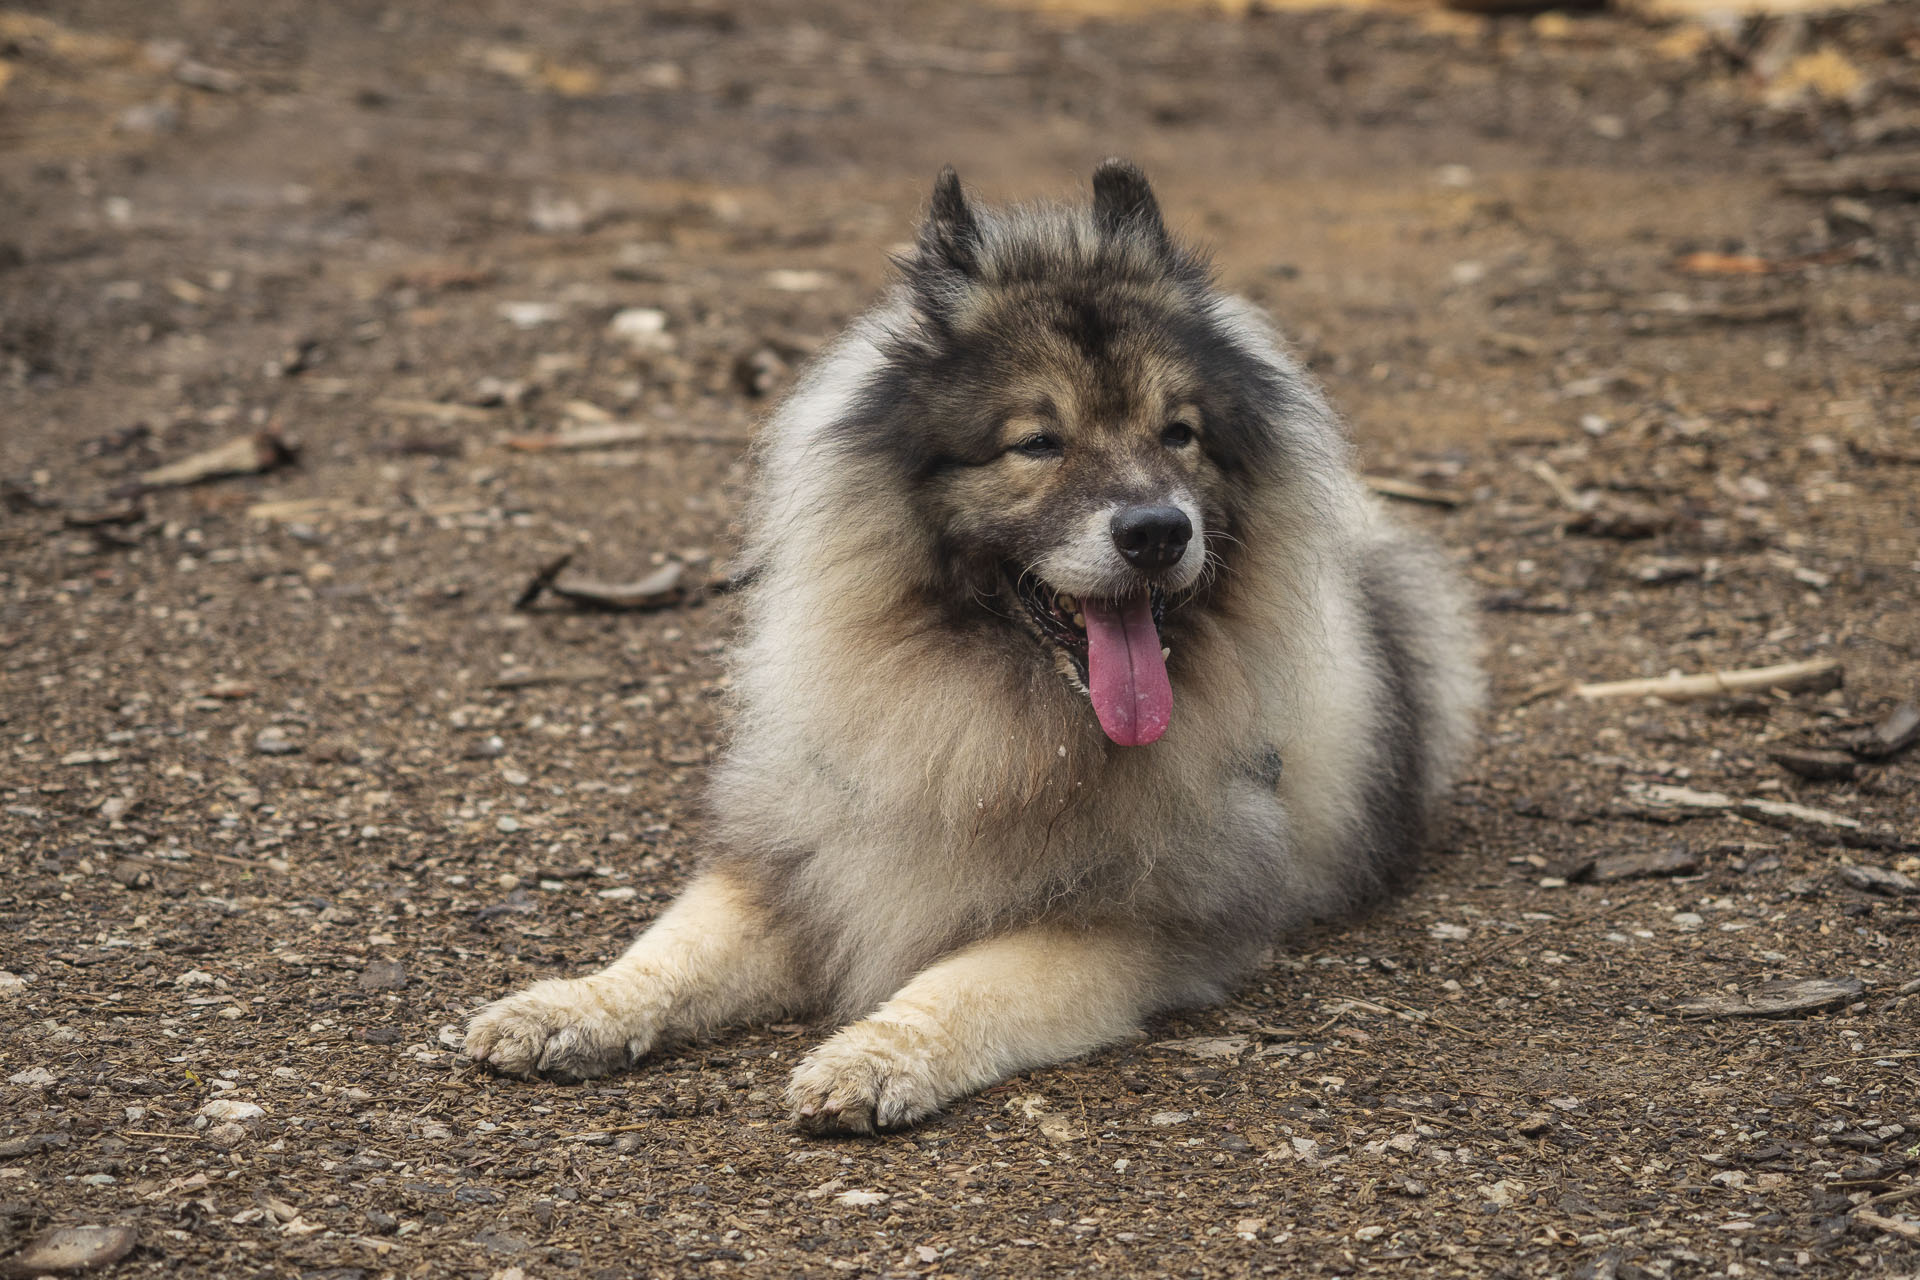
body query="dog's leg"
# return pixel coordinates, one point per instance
(1029, 998)
(711, 958)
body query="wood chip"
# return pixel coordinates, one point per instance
(659, 589)
(1817, 675)
(1900, 730)
(614, 435)
(1872, 173)
(1892, 884)
(1811, 822)
(1903, 1227)
(1774, 999)
(1821, 766)
(663, 587)
(1645, 864)
(72, 1249)
(1209, 1046)
(250, 454)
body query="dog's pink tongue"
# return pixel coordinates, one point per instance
(1125, 673)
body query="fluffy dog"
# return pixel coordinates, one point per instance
(1077, 665)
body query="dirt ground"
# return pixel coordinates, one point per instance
(290, 785)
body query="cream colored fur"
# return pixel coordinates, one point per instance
(936, 842)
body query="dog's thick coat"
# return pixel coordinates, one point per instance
(922, 821)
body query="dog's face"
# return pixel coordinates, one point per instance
(1079, 430)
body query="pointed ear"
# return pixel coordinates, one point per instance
(1123, 203)
(950, 236)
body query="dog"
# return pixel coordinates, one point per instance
(1077, 666)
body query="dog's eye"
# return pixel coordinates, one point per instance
(1178, 434)
(1040, 444)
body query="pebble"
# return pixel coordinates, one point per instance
(383, 975)
(230, 1134)
(274, 741)
(507, 822)
(221, 1110)
(487, 748)
(529, 315)
(11, 985)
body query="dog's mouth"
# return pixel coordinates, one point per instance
(1115, 648)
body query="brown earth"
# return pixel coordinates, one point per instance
(1525, 255)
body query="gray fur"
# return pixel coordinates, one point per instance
(918, 814)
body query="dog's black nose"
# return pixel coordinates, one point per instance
(1152, 537)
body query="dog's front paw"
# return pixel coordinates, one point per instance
(870, 1076)
(555, 1028)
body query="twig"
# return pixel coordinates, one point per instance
(1862, 1056)
(1514, 939)
(1407, 1013)
(1821, 673)
(1892, 1226)
(1561, 489)
(148, 1133)
(1406, 491)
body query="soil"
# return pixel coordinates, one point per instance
(290, 785)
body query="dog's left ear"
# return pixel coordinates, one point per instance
(951, 236)
(1123, 204)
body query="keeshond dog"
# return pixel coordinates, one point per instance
(1077, 666)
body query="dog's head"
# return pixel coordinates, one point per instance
(1079, 429)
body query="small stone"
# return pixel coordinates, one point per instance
(1165, 1118)
(221, 1110)
(383, 975)
(860, 1199)
(199, 75)
(790, 280)
(381, 1221)
(629, 1143)
(11, 985)
(149, 118)
(507, 822)
(556, 215)
(1534, 1125)
(1505, 1192)
(228, 1135)
(529, 315)
(486, 748)
(274, 741)
(641, 330)
(131, 874)
(1687, 921)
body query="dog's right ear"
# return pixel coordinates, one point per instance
(1123, 204)
(950, 237)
